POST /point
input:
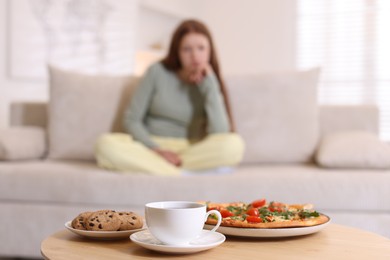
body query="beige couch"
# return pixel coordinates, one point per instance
(296, 152)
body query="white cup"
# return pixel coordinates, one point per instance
(177, 222)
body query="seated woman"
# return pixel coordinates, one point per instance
(179, 117)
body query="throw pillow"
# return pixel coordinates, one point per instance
(22, 143)
(353, 149)
(81, 108)
(277, 115)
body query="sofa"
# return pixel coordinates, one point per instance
(296, 151)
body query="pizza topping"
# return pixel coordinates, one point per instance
(241, 218)
(308, 214)
(226, 213)
(258, 203)
(254, 219)
(253, 212)
(277, 206)
(237, 210)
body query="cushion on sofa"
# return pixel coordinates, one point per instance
(81, 108)
(22, 143)
(277, 115)
(353, 149)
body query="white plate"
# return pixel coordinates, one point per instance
(206, 241)
(104, 235)
(269, 232)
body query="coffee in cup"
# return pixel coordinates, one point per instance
(177, 222)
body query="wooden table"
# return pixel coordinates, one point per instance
(334, 242)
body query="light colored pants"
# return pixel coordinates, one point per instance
(119, 152)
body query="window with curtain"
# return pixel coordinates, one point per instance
(350, 41)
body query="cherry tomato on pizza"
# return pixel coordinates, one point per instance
(253, 219)
(252, 212)
(226, 213)
(258, 203)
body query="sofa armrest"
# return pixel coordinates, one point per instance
(22, 143)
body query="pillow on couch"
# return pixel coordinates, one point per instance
(22, 143)
(277, 115)
(353, 149)
(81, 108)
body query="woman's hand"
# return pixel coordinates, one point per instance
(171, 157)
(197, 74)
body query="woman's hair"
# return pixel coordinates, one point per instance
(172, 60)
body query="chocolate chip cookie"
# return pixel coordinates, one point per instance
(130, 220)
(103, 220)
(80, 221)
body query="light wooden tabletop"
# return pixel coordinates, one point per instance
(334, 242)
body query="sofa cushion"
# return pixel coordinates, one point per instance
(353, 149)
(22, 143)
(82, 183)
(81, 108)
(277, 115)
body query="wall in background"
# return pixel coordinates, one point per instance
(14, 89)
(95, 36)
(251, 36)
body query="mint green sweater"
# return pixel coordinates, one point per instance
(163, 105)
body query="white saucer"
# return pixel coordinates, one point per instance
(206, 241)
(103, 235)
